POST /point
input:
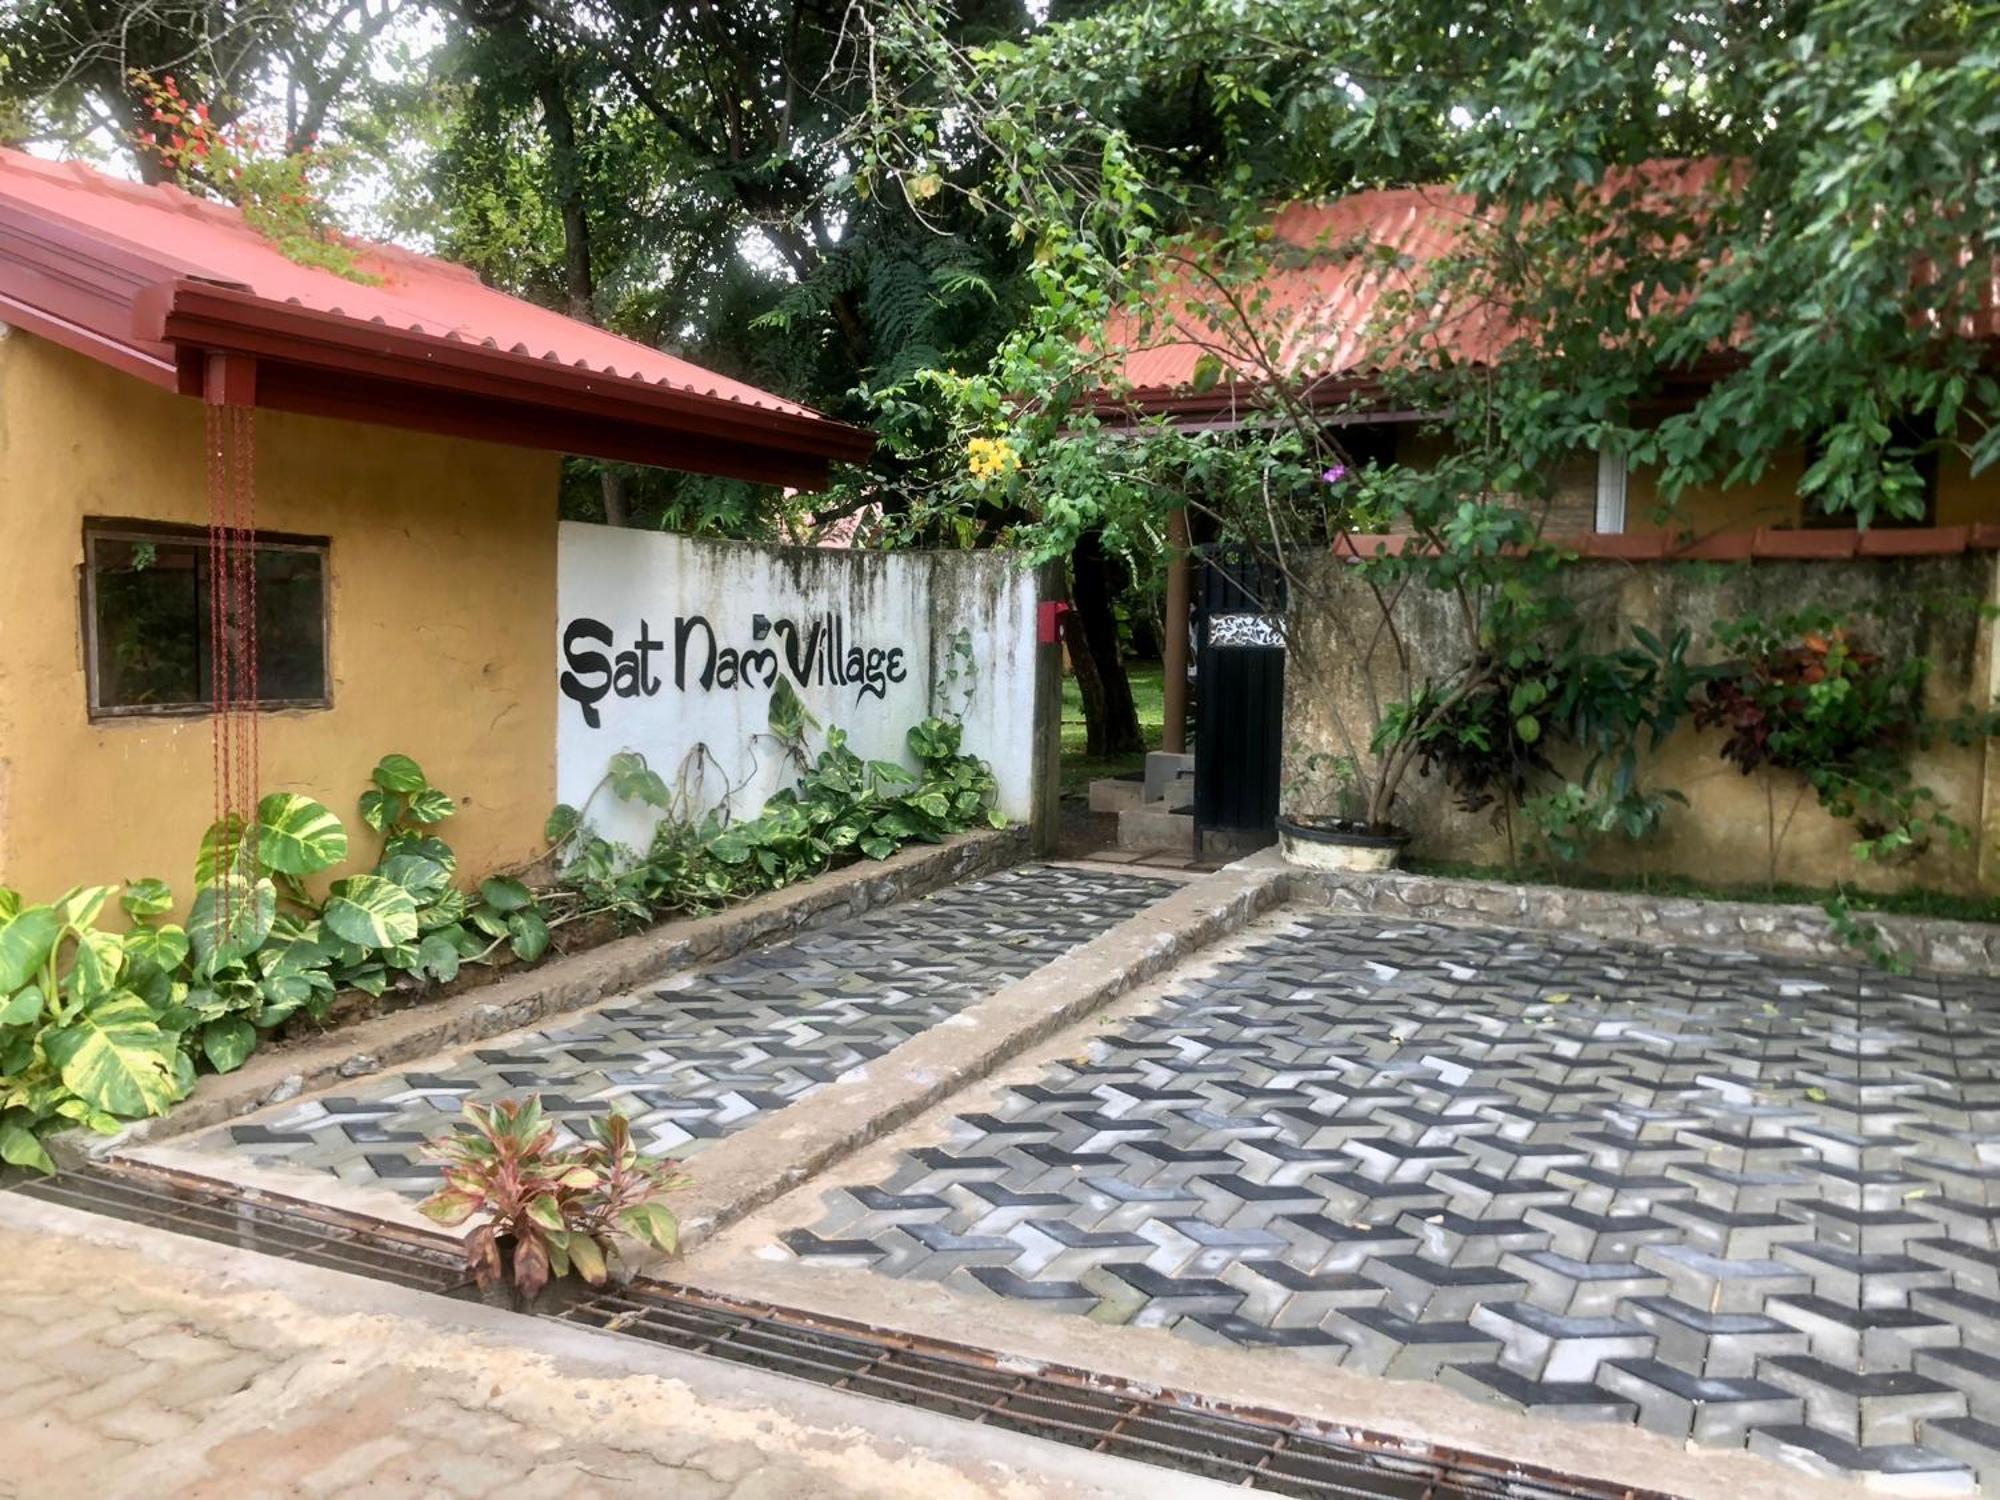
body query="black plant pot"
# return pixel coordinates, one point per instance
(1317, 842)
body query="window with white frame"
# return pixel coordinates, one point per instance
(1610, 491)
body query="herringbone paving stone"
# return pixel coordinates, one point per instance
(1728, 1197)
(702, 1057)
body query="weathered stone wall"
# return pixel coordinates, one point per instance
(1734, 829)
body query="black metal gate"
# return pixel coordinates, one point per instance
(1239, 694)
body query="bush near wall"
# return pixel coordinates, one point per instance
(1919, 625)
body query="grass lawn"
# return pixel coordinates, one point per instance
(1148, 696)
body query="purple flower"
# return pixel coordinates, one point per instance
(1334, 475)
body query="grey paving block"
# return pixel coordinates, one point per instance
(1710, 1410)
(1732, 1198)
(1580, 1402)
(1871, 1408)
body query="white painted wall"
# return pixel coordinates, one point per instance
(894, 614)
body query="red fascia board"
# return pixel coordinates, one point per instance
(154, 369)
(60, 282)
(320, 392)
(194, 316)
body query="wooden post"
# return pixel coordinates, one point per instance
(1174, 624)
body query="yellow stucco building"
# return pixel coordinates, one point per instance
(400, 438)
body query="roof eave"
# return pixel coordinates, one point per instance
(382, 369)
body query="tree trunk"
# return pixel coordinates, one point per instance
(1111, 721)
(615, 512)
(579, 280)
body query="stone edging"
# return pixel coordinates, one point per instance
(567, 984)
(1933, 944)
(793, 1145)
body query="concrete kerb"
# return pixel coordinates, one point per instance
(568, 984)
(1941, 946)
(775, 1155)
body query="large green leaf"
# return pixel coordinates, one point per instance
(298, 836)
(26, 939)
(226, 1043)
(80, 906)
(431, 806)
(380, 809)
(114, 1056)
(146, 898)
(10, 902)
(437, 958)
(398, 773)
(221, 851)
(429, 845)
(230, 921)
(504, 893)
(23, 1007)
(19, 1148)
(424, 879)
(100, 959)
(371, 912)
(528, 934)
(164, 947)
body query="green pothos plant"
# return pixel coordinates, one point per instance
(98, 1027)
(842, 807)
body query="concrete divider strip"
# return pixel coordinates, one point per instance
(776, 1155)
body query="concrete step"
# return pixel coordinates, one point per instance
(1427, 1292)
(1383, 1342)
(1971, 1441)
(1113, 794)
(1862, 1280)
(1156, 828)
(1975, 1373)
(1581, 1288)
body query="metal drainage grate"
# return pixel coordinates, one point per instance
(1255, 1449)
(288, 1228)
(1258, 1450)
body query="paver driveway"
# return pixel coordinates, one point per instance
(703, 1057)
(1726, 1196)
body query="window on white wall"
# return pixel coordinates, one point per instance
(1610, 491)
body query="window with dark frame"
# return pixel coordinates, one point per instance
(150, 633)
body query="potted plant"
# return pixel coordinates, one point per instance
(1340, 838)
(548, 1211)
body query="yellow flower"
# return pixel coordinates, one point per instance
(990, 458)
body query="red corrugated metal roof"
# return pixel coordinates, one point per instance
(1318, 307)
(125, 272)
(1322, 299)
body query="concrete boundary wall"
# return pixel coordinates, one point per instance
(672, 646)
(1940, 946)
(1731, 828)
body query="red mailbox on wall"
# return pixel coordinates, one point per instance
(1048, 615)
